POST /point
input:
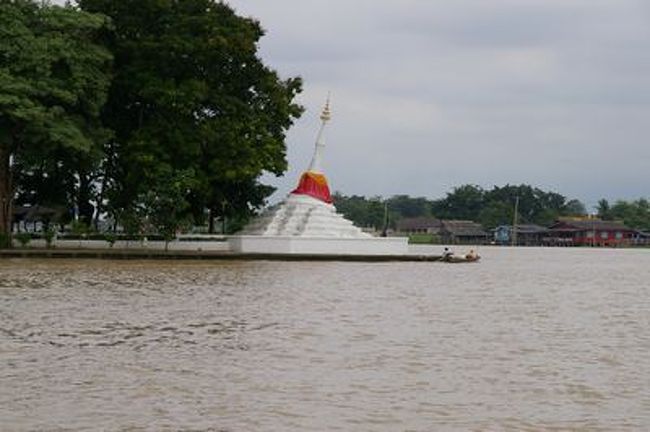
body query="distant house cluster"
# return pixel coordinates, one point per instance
(564, 232)
(33, 218)
(445, 231)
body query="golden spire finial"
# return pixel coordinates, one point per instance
(326, 115)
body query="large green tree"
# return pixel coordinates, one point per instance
(54, 75)
(406, 206)
(464, 202)
(191, 94)
(489, 207)
(496, 206)
(604, 210)
(635, 214)
(364, 212)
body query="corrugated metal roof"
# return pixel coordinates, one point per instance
(423, 222)
(594, 224)
(463, 228)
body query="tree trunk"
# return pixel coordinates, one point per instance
(106, 169)
(86, 209)
(6, 194)
(211, 222)
(100, 204)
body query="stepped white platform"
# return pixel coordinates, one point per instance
(305, 225)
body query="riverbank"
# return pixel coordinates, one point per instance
(135, 254)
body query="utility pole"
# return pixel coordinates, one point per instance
(384, 232)
(513, 237)
(223, 216)
(593, 230)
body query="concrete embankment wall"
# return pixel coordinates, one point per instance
(190, 249)
(157, 245)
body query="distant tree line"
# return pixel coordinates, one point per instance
(152, 113)
(490, 208)
(635, 214)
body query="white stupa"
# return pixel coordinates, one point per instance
(306, 222)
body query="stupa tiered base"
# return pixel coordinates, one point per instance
(305, 225)
(373, 246)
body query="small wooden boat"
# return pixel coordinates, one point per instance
(455, 259)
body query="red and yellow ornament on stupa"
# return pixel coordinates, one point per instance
(313, 182)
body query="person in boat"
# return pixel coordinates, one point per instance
(471, 255)
(446, 254)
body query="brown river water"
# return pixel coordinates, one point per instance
(527, 339)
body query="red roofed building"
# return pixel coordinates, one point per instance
(589, 232)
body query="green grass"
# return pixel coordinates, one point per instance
(422, 238)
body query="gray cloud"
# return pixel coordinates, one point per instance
(431, 94)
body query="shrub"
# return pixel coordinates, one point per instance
(5, 241)
(79, 228)
(421, 238)
(49, 235)
(110, 238)
(23, 238)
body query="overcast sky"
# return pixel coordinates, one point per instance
(430, 94)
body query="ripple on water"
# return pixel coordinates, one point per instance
(532, 339)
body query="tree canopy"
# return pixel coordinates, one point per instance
(466, 202)
(191, 94)
(54, 75)
(101, 104)
(635, 214)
